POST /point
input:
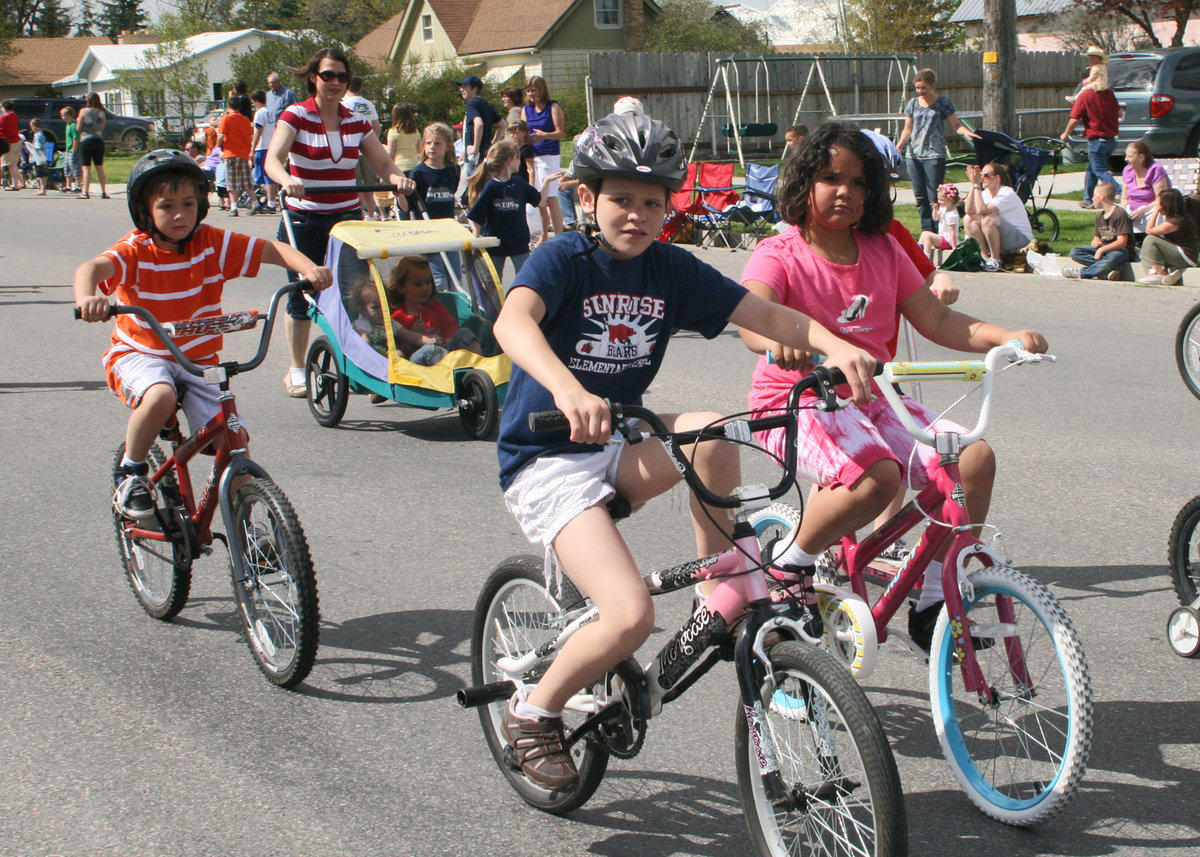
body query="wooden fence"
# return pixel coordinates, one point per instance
(787, 88)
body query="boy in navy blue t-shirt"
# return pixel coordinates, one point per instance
(589, 317)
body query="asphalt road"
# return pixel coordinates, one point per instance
(123, 735)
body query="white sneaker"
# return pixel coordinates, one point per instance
(991, 265)
(1152, 279)
(234, 212)
(1072, 273)
(1173, 277)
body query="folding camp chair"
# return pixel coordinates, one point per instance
(757, 209)
(717, 198)
(684, 205)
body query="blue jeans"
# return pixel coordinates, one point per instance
(566, 201)
(926, 174)
(311, 230)
(442, 278)
(1099, 148)
(1112, 260)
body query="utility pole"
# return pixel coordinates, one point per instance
(999, 65)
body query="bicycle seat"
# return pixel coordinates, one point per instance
(619, 507)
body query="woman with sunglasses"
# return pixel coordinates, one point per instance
(317, 143)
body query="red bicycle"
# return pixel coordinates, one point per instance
(272, 572)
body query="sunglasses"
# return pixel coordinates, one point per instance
(330, 76)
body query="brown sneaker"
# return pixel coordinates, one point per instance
(538, 745)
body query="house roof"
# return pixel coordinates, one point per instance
(39, 61)
(375, 48)
(456, 16)
(495, 28)
(972, 10)
(129, 57)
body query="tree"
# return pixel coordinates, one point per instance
(697, 25)
(277, 55)
(53, 21)
(6, 49)
(85, 22)
(21, 16)
(347, 21)
(909, 26)
(1143, 14)
(169, 85)
(121, 16)
(1079, 28)
(269, 15)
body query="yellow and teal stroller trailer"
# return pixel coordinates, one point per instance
(340, 361)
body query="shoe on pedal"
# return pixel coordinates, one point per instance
(922, 623)
(894, 554)
(795, 582)
(538, 746)
(134, 498)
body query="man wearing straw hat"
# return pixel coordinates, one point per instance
(1096, 106)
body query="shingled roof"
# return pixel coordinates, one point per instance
(38, 61)
(495, 28)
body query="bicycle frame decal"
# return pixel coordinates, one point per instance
(683, 575)
(677, 657)
(764, 750)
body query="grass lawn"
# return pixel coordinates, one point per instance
(1075, 228)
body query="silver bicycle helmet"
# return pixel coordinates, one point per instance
(155, 163)
(630, 146)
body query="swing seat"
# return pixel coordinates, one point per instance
(752, 129)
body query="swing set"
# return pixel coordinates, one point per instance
(735, 127)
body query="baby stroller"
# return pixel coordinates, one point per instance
(1025, 163)
(341, 362)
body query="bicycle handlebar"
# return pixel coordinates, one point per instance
(970, 370)
(165, 335)
(822, 379)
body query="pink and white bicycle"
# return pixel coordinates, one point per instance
(1008, 682)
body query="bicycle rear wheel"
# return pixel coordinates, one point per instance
(159, 571)
(278, 600)
(843, 790)
(1021, 754)
(1045, 224)
(514, 615)
(1187, 350)
(1183, 552)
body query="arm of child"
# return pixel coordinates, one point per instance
(518, 333)
(796, 334)
(286, 256)
(92, 307)
(943, 287)
(952, 329)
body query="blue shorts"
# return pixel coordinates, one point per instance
(260, 174)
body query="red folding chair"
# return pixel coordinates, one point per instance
(718, 200)
(683, 206)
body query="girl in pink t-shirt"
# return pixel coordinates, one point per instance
(838, 265)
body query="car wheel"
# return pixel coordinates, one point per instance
(1192, 146)
(134, 140)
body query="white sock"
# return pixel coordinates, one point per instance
(297, 375)
(795, 555)
(931, 588)
(524, 710)
(126, 461)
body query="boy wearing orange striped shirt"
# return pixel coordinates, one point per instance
(176, 267)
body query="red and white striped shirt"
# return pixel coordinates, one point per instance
(175, 287)
(312, 156)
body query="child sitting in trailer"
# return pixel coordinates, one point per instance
(426, 331)
(369, 317)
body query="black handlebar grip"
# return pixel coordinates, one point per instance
(112, 310)
(548, 420)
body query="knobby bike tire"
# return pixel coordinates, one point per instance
(1021, 757)
(1187, 350)
(514, 614)
(278, 601)
(834, 759)
(158, 572)
(1183, 553)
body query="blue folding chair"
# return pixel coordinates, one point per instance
(757, 209)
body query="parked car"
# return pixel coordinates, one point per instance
(120, 132)
(1159, 90)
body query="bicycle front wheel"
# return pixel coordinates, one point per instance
(278, 599)
(159, 570)
(843, 794)
(1021, 752)
(515, 614)
(1183, 552)
(1187, 350)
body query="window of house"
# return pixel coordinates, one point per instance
(608, 13)
(427, 27)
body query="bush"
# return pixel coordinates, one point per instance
(435, 96)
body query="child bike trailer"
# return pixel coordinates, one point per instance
(341, 361)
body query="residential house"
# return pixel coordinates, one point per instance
(1040, 28)
(39, 62)
(551, 38)
(98, 69)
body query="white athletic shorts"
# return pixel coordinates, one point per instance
(135, 373)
